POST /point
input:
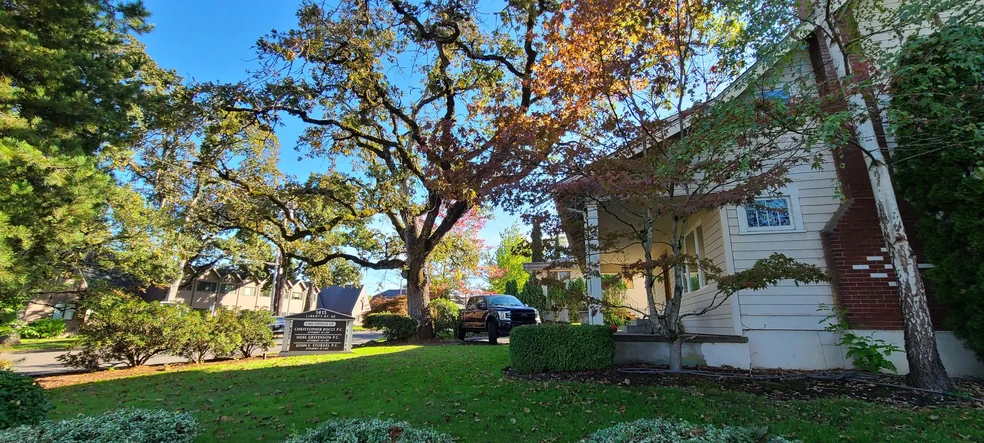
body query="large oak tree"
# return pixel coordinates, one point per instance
(428, 109)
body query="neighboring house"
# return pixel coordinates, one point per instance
(349, 300)
(216, 287)
(297, 292)
(825, 217)
(391, 293)
(63, 304)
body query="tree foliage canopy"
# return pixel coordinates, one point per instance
(938, 108)
(75, 85)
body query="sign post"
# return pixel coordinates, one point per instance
(320, 331)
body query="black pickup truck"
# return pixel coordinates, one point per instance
(495, 314)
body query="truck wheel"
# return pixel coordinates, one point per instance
(493, 327)
(460, 333)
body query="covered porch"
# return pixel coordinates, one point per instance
(602, 243)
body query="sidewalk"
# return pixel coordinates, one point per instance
(36, 363)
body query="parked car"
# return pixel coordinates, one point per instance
(278, 325)
(496, 314)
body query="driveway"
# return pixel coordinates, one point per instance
(484, 339)
(45, 363)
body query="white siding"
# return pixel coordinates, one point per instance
(787, 306)
(720, 320)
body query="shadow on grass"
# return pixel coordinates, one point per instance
(461, 390)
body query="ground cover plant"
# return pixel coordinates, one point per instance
(461, 390)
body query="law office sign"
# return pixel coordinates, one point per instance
(321, 331)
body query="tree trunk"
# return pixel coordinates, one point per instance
(172, 290)
(926, 370)
(312, 298)
(279, 288)
(418, 298)
(676, 354)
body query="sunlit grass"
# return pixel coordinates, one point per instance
(40, 344)
(460, 390)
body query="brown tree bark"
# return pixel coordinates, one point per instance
(418, 297)
(311, 301)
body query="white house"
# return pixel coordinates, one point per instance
(825, 217)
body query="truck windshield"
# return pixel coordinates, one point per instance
(504, 300)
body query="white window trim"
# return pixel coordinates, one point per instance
(700, 270)
(791, 194)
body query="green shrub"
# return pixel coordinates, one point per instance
(532, 295)
(210, 334)
(43, 328)
(561, 348)
(445, 314)
(121, 426)
(128, 329)
(368, 431)
(937, 107)
(254, 329)
(22, 400)
(395, 327)
(663, 431)
(613, 295)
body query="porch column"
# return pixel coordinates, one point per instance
(593, 262)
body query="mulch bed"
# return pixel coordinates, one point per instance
(779, 384)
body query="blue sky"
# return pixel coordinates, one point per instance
(212, 40)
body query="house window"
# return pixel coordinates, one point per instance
(295, 295)
(207, 286)
(772, 212)
(694, 246)
(63, 311)
(776, 94)
(248, 292)
(628, 281)
(562, 275)
(228, 288)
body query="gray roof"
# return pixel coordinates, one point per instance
(340, 299)
(391, 293)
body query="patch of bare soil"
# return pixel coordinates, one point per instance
(779, 384)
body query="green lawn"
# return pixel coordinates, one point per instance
(459, 389)
(40, 344)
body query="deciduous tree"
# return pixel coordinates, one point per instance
(432, 104)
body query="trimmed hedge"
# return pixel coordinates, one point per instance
(561, 348)
(368, 431)
(121, 426)
(664, 431)
(395, 327)
(22, 400)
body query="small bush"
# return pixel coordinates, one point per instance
(22, 400)
(663, 431)
(368, 431)
(210, 334)
(43, 328)
(445, 314)
(129, 329)
(122, 426)
(561, 348)
(395, 327)
(254, 329)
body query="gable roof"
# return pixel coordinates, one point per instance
(340, 298)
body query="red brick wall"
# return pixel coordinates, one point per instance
(864, 281)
